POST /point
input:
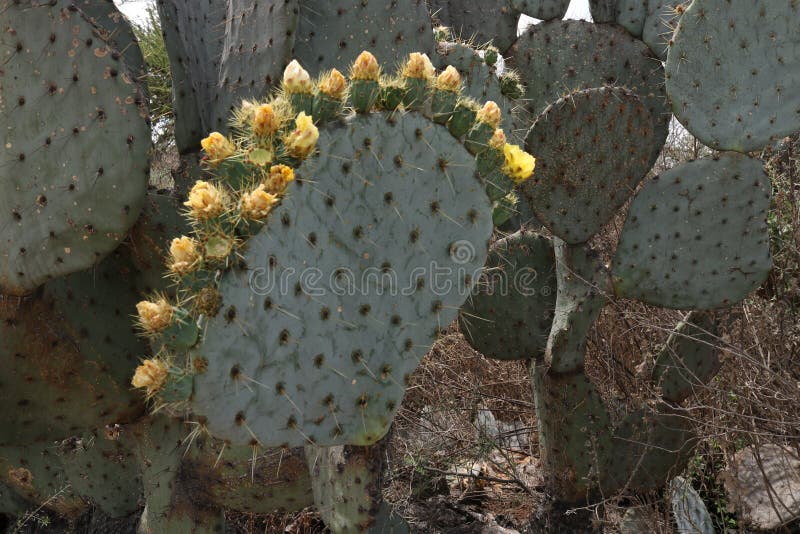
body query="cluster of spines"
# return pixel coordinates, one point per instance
(253, 168)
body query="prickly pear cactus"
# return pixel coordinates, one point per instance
(543, 9)
(74, 174)
(509, 314)
(318, 315)
(731, 72)
(558, 57)
(579, 142)
(682, 265)
(478, 21)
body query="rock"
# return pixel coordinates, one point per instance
(763, 482)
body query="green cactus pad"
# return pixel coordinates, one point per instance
(573, 430)
(103, 471)
(478, 21)
(733, 72)
(593, 148)
(696, 237)
(630, 14)
(662, 16)
(33, 473)
(316, 357)
(69, 353)
(509, 314)
(259, 37)
(278, 482)
(689, 359)
(647, 449)
(331, 34)
(73, 148)
(557, 57)
(347, 485)
(117, 31)
(160, 445)
(543, 9)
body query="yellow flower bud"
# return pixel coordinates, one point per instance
(490, 114)
(498, 140)
(206, 201)
(302, 140)
(279, 178)
(333, 85)
(366, 67)
(449, 80)
(154, 316)
(265, 122)
(258, 203)
(419, 66)
(183, 255)
(151, 375)
(217, 147)
(296, 79)
(519, 165)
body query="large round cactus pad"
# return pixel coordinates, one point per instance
(372, 251)
(73, 145)
(593, 148)
(733, 72)
(333, 33)
(509, 314)
(557, 57)
(696, 236)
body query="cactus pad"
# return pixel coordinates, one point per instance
(662, 16)
(689, 359)
(543, 9)
(630, 14)
(479, 21)
(696, 237)
(259, 37)
(509, 314)
(733, 72)
(69, 353)
(593, 148)
(74, 164)
(103, 471)
(322, 355)
(557, 57)
(331, 34)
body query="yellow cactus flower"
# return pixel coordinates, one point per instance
(217, 147)
(206, 201)
(279, 178)
(449, 80)
(366, 67)
(490, 114)
(151, 375)
(154, 316)
(419, 66)
(296, 79)
(183, 255)
(519, 165)
(265, 123)
(258, 203)
(302, 140)
(333, 85)
(498, 140)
